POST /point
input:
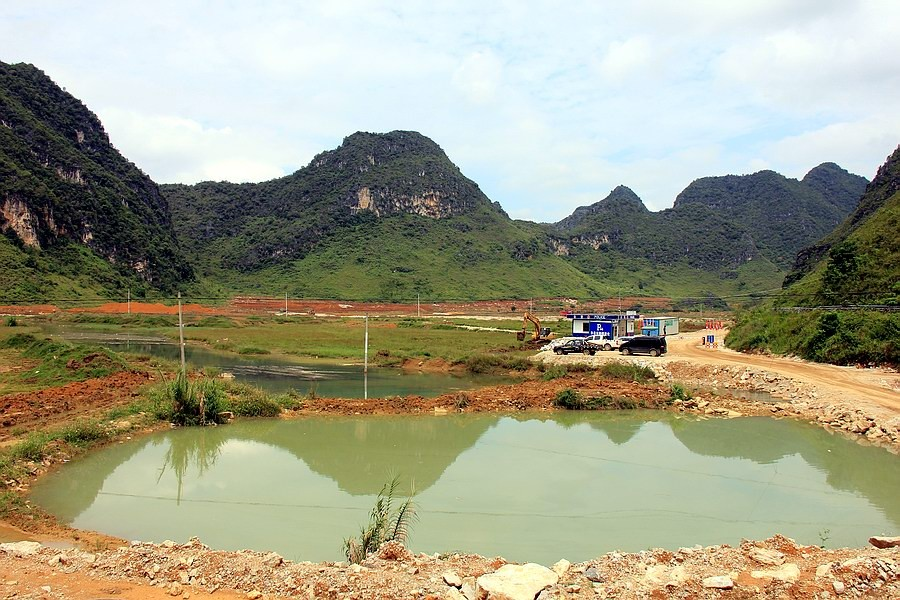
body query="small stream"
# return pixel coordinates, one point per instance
(279, 375)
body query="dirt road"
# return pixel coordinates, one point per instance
(877, 387)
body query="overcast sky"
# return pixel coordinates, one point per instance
(546, 105)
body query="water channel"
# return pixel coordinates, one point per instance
(327, 379)
(528, 486)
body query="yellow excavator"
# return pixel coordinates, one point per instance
(540, 333)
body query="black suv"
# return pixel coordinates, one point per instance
(576, 346)
(644, 344)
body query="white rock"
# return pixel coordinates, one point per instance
(823, 571)
(561, 567)
(468, 588)
(515, 582)
(21, 549)
(719, 582)
(788, 573)
(838, 587)
(451, 578)
(767, 557)
(452, 593)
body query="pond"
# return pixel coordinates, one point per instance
(535, 487)
(278, 375)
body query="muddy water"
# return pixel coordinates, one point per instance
(526, 487)
(327, 379)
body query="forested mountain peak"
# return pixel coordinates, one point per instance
(61, 181)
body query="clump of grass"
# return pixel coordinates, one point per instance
(11, 321)
(679, 392)
(252, 350)
(554, 372)
(495, 363)
(186, 402)
(628, 372)
(386, 524)
(248, 401)
(461, 400)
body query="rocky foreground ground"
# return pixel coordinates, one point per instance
(774, 568)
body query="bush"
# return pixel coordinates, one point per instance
(569, 399)
(252, 350)
(11, 321)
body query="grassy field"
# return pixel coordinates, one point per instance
(391, 340)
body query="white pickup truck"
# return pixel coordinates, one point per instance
(604, 342)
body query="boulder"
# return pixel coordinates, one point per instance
(561, 567)
(880, 541)
(21, 549)
(515, 582)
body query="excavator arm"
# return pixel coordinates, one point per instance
(539, 332)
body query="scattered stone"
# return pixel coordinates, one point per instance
(838, 586)
(468, 588)
(823, 571)
(515, 582)
(788, 573)
(594, 575)
(452, 579)
(254, 595)
(21, 549)
(561, 567)
(175, 589)
(453, 594)
(46, 588)
(884, 542)
(766, 556)
(273, 559)
(719, 582)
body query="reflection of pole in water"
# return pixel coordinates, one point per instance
(365, 385)
(366, 362)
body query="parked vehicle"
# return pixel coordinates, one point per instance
(644, 344)
(576, 345)
(614, 344)
(557, 342)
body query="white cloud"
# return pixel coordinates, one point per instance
(478, 77)
(175, 149)
(545, 106)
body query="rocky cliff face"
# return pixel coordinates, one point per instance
(61, 181)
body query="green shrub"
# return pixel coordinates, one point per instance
(11, 321)
(678, 392)
(569, 399)
(254, 406)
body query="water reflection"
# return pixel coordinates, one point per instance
(527, 486)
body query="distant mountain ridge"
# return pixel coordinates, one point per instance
(62, 182)
(380, 216)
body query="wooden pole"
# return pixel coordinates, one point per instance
(181, 333)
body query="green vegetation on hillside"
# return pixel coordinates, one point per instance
(859, 265)
(67, 184)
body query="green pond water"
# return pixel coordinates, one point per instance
(532, 487)
(277, 375)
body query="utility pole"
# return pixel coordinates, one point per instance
(285, 304)
(181, 333)
(366, 362)
(129, 301)
(418, 307)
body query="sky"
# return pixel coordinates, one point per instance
(547, 105)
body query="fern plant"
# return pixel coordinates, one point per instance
(386, 524)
